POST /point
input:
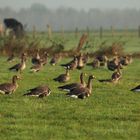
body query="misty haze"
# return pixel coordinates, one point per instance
(39, 15)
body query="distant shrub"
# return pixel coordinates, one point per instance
(114, 49)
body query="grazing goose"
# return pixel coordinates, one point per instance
(20, 66)
(71, 86)
(39, 91)
(63, 77)
(136, 89)
(35, 60)
(8, 88)
(82, 92)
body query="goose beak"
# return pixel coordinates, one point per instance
(19, 77)
(94, 77)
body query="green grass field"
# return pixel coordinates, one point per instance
(112, 112)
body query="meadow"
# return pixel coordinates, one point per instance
(112, 112)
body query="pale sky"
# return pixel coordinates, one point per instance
(77, 4)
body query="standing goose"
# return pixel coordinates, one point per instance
(63, 77)
(39, 91)
(125, 60)
(95, 63)
(55, 59)
(44, 58)
(102, 59)
(136, 89)
(72, 64)
(11, 58)
(82, 92)
(37, 67)
(8, 88)
(116, 76)
(71, 86)
(80, 64)
(20, 66)
(36, 59)
(113, 64)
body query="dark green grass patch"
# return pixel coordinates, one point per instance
(111, 112)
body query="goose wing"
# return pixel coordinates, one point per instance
(105, 80)
(69, 87)
(78, 92)
(7, 87)
(60, 78)
(137, 88)
(38, 91)
(15, 67)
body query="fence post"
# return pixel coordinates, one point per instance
(62, 31)
(34, 31)
(112, 31)
(49, 31)
(76, 32)
(139, 31)
(101, 32)
(88, 30)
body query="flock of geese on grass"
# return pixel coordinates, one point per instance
(77, 90)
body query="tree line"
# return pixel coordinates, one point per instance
(70, 19)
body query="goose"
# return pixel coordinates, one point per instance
(130, 59)
(11, 58)
(39, 91)
(36, 59)
(55, 60)
(95, 63)
(8, 88)
(72, 64)
(63, 77)
(44, 58)
(85, 58)
(20, 66)
(116, 76)
(82, 92)
(80, 63)
(113, 64)
(125, 60)
(136, 89)
(71, 86)
(103, 60)
(37, 67)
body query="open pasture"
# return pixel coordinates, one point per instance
(111, 112)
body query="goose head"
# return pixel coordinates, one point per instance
(92, 77)
(15, 78)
